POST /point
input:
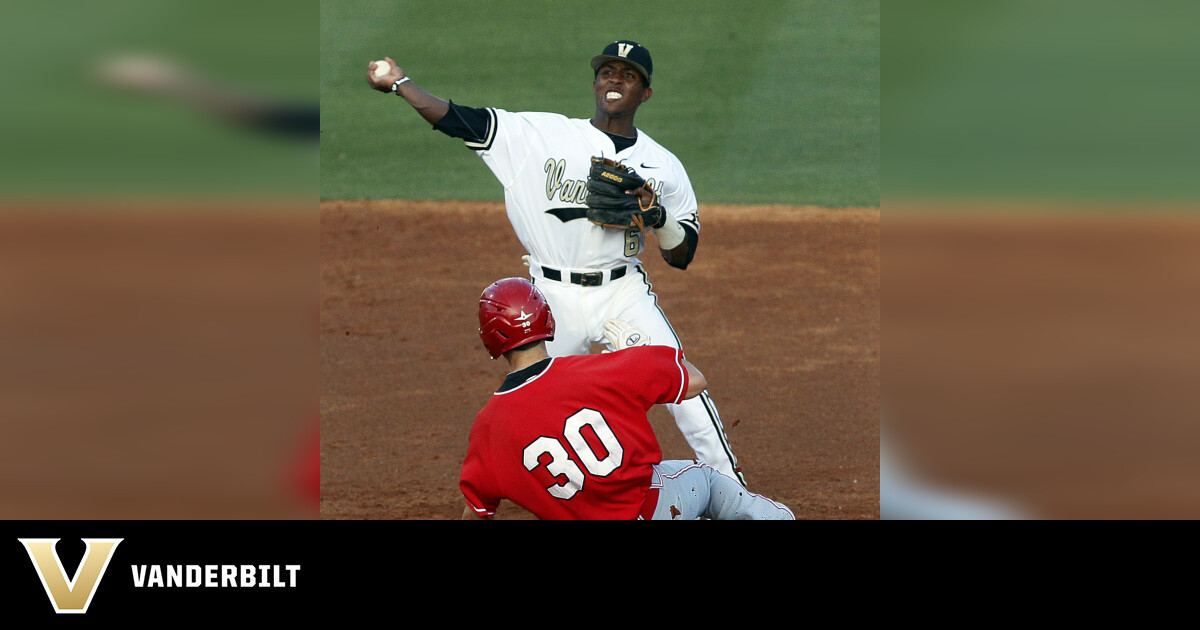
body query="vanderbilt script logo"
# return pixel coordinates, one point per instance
(575, 190)
(70, 595)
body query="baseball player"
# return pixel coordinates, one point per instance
(590, 274)
(568, 438)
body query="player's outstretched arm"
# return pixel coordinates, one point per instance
(430, 107)
(621, 335)
(696, 381)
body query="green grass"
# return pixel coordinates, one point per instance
(1068, 101)
(765, 102)
(66, 133)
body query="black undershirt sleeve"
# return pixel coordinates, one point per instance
(693, 241)
(465, 123)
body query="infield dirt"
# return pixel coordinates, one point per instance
(780, 310)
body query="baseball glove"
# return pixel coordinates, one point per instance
(610, 206)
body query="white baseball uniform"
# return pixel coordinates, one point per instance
(591, 274)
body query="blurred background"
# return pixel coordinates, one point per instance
(158, 259)
(773, 102)
(136, 98)
(1041, 257)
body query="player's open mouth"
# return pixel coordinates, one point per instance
(612, 96)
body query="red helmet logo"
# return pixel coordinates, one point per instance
(512, 313)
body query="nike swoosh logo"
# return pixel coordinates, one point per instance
(644, 166)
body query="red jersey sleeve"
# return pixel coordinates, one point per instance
(654, 373)
(477, 484)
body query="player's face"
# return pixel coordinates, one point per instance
(619, 88)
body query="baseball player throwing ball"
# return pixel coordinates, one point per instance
(582, 194)
(568, 438)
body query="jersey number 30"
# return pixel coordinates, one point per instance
(562, 464)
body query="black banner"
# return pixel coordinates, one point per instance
(229, 570)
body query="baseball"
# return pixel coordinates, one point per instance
(382, 68)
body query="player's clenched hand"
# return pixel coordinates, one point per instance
(383, 82)
(646, 197)
(621, 335)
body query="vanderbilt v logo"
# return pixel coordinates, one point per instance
(75, 595)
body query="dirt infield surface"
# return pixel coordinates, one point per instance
(780, 310)
(1047, 355)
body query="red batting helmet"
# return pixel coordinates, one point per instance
(512, 313)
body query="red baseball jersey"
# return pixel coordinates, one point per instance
(568, 438)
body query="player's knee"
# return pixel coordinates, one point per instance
(784, 514)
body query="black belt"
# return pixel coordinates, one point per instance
(593, 279)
